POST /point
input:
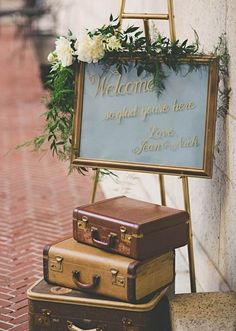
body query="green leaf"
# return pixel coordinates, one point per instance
(53, 127)
(61, 126)
(50, 137)
(137, 34)
(131, 29)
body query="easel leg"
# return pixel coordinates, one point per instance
(95, 185)
(122, 9)
(190, 244)
(162, 190)
(161, 177)
(171, 20)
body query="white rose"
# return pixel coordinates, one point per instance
(90, 49)
(64, 51)
(113, 44)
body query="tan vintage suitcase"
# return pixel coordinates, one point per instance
(54, 308)
(131, 227)
(88, 268)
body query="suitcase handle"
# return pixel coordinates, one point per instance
(111, 239)
(89, 286)
(72, 327)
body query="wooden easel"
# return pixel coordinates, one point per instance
(169, 17)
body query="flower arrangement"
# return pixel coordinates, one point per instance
(109, 41)
(108, 45)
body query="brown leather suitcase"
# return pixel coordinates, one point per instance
(83, 267)
(131, 227)
(54, 308)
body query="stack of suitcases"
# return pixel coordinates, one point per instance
(113, 274)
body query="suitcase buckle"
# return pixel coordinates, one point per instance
(83, 223)
(56, 264)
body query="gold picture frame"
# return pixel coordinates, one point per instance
(85, 125)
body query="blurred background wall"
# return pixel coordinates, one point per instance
(212, 201)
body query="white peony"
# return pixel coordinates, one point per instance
(90, 49)
(113, 44)
(64, 51)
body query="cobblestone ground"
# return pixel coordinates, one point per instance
(36, 195)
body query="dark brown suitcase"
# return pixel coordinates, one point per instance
(131, 227)
(53, 308)
(83, 267)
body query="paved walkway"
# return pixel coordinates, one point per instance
(36, 195)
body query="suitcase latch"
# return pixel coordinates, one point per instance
(124, 235)
(44, 318)
(42, 321)
(128, 325)
(117, 279)
(127, 321)
(127, 238)
(56, 264)
(83, 223)
(46, 312)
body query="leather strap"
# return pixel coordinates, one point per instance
(111, 239)
(72, 327)
(88, 286)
